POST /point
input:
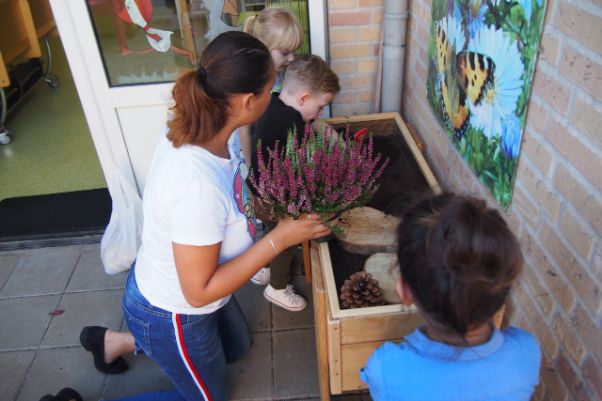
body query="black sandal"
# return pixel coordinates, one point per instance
(92, 339)
(66, 394)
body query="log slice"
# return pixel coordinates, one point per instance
(367, 231)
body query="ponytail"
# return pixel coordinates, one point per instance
(233, 63)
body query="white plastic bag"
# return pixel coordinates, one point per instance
(122, 237)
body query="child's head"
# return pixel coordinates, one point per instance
(458, 258)
(311, 84)
(278, 28)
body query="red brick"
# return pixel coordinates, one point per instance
(369, 33)
(339, 51)
(580, 25)
(336, 4)
(583, 198)
(554, 387)
(552, 91)
(549, 49)
(589, 332)
(527, 209)
(515, 222)
(367, 96)
(343, 35)
(540, 192)
(345, 97)
(582, 70)
(537, 116)
(585, 286)
(541, 294)
(545, 336)
(569, 339)
(592, 373)
(575, 151)
(371, 3)
(344, 67)
(581, 239)
(572, 381)
(588, 119)
(562, 292)
(597, 265)
(377, 16)
(538, 153)
(349, 18)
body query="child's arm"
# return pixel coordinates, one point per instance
(246, 142)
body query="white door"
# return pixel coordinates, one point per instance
(124, 63)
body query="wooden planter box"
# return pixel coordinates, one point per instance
(345, 338)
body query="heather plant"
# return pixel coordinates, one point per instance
(326, 173)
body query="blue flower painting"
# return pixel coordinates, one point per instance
(482, 57)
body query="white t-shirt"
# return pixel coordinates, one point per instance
(191, 197)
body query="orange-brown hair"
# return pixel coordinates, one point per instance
(459, 258)
(311, 72)
(233, 63)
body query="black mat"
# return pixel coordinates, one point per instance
(54, 216)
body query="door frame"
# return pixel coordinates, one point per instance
(100, 101)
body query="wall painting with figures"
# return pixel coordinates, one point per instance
(482, 57)
(153, 41)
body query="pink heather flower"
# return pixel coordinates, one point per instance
(323, 173)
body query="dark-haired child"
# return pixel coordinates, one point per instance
(458, 262)
(309, 85)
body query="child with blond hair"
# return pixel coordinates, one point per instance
(279, 30)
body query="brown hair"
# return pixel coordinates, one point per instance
(459, 258)
(232, 63)
(312, 73)
(277, 27)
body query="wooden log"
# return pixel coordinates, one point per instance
(384, 268)
(367, 231)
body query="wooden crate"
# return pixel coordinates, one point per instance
(346, 338)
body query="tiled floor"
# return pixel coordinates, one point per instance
(47, 295)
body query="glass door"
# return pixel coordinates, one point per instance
(125, 55)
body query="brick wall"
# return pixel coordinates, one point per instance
(354, 32)
(557, 205)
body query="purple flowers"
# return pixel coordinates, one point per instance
(323, 174)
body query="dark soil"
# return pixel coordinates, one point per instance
(401, 184)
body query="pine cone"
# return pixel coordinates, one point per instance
(361, 290)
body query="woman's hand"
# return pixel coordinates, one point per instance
(289, 232)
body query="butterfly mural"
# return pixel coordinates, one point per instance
(481, 62)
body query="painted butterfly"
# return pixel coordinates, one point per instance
(466, 76)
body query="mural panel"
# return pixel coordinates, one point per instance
(482, 57)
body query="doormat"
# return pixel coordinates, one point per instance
(66, 214)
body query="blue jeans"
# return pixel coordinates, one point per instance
(192, 350)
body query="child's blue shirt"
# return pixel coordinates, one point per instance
(505, 368)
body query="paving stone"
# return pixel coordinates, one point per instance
(13, 367)
(95, 308)
(7, 264)
(295, 370)
(24, 320)
(143, 376)
(251, 377)
(255, 307)
(284, 320)
(89, 273)
(42, 271)
(56, 368)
